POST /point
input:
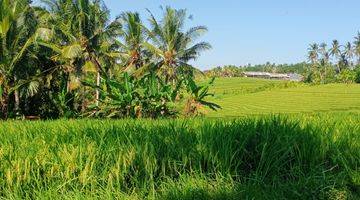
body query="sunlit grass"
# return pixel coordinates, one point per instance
(294, 157)
(246, 96)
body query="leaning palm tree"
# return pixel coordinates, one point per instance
(16, 36)
(171, 46)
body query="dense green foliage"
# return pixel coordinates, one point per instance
(68, 59)
(17, 33)
(339, 63)
(249, 96)
(299, 68)
(263, 158)
(357, 76)
(235, 71)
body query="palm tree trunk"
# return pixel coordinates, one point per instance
(16, 96)
(325, 73)
(4, 105)
(97, 95)
(68, 82)
(98, 80)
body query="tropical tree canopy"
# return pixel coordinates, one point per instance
(171, 46)
(66, 58)
(17, 35)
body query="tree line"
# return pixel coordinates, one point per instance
(67, 58)
(238, 71)
(335, 62)
(326, 64)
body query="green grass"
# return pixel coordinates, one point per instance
(246, 96)
(274, 157)
(310, 151)
(240, 85)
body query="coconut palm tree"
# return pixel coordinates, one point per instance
(173, 48)
(335, 51)
(85, 36)
(357, 47)
(17, 34)
(324, 52)
(313, 53)
(132, 50)
(324, 61)
(349, 53)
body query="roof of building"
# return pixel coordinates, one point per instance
(267, 74)
(257, 73)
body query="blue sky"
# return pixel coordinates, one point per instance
(257, 31)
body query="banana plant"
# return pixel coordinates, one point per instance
(159, 97)
(147, 97)
(197, 98)
(115, 101)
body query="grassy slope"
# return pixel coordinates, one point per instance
(246, 96)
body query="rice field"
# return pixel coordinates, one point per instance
(246, 96)
(273, 157)
(271, 140)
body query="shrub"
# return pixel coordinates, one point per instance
(357, 76)
(346, 76)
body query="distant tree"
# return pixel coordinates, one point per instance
(357, 47)
(343, 62)
(313, 53)
(357, 77)
(349, 53)
(324, 67)
(325, 55)
(335, 51)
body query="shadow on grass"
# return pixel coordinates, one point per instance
(250, 158)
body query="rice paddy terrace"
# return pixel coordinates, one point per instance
(247, 96)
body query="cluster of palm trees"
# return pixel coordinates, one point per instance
(225, 71)
(334, 62)
(238, 71)
(67, 58)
